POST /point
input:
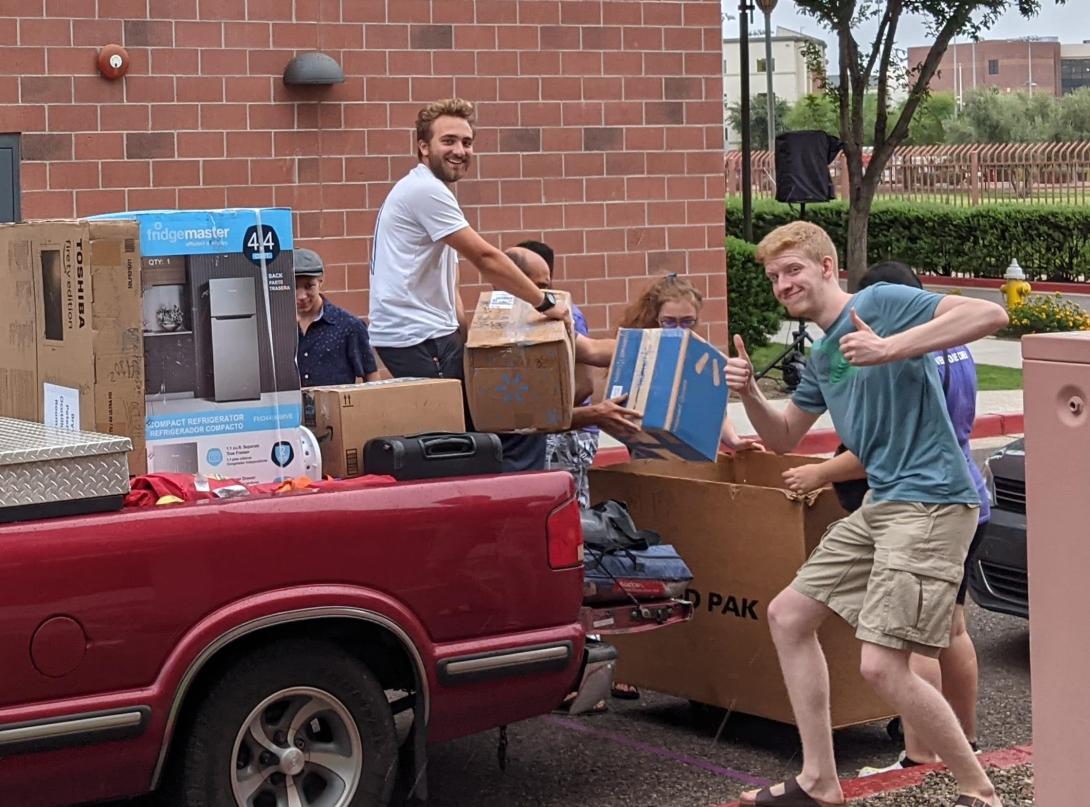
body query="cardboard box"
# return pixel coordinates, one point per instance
(220, 338)
(675, 379)
(519, 367)
(744, 537)
(73, 353)
(344, 417)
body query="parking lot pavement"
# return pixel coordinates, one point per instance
(661, 751)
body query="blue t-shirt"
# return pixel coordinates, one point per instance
(957, 372)
(891, 416)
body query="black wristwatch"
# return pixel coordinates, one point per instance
(548, 302)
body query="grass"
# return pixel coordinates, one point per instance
(988, 376)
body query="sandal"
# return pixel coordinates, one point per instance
(793, 796)
(624, 692)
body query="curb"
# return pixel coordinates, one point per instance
(892, 781)
(825, 441)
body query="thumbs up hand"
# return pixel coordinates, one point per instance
(863, 346)
(739, 370)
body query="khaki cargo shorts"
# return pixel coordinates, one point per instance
(892, 570)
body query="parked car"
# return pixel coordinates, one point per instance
(998, 578)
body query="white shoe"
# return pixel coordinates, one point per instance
(902, 762)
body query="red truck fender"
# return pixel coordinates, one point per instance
(221, 629)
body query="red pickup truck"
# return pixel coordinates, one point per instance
(264, 651)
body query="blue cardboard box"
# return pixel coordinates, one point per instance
(675, 378)
(220, 338)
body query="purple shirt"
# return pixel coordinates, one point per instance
(957, 371)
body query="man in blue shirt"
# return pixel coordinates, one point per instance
(891, 569)
(333, 344)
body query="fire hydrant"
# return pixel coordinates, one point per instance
(1016, 289)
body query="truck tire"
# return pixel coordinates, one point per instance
(297, 722)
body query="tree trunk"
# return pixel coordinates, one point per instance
(858, 224)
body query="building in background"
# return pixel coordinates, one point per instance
(791, 75)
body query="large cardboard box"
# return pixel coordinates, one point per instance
(744, 536)
(344, 417)
(220, 338)
(675, 379)
(72, 354)
(519, 367)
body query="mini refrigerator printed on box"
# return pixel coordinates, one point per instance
(220, 339)
(675, 379)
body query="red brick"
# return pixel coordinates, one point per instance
(151, 198)
(664, 112)
(624, 12)
(9, 32)
(45, 32)
(680, 238)
(496, 11)
(206, 198)
(9, 90)
(359, 169)
(584, 216)
(662, 262)
(606, 37)
(622, 113)
(581, 63)
(248, 35)
(22, 118)
(198, 88)
(659, 63)
(249, 144)
(666, 213)
(63, 8)
(704, 211)
(588, 113)
(540, 64)
(496, 114)
(177, 173)
(295, 35)
(640, 88)
(367, 116)
(479, 192)
(622, 63)
(44, 89)
(175, 61)
(538, 12)
(591, 164)
(248, 89)
(545, 166)
(124, 117)
(223, 116)
(520, 89)
(685, 187)
(500, 166)
(607, 290)
(520, 192)
(233, 171)
(610, 89)
(410, 62)
(521, 139)
(275, 171)
(201, 144)
(560, 139)
(539, 113)
(72, 118)
(149, 89)
(476, 88)
(560, 37)
(149, 33)
(409, 11)
(518, 37)
(625, 163)
(425, 89)
(605, 241)
(73, 175)
(126, 173)
(98, 32)
(431, 37)
(220, 62)
(663, 13)
(100, 146)
(666, 162)
(454, 63)
(271, 116)
(604, 189)
(221, 9)
(366, 10)
(172, 9)
(650, 188)
(48, 204)
(475, 37)
(46, 147)
(383, 88)
(498, 63)
(93, 90)
(386, 37)
(583, 12)
(644, 138)
(200, 35)
(683, 39)
(703, 64)
(580, 266)
(270, 9)
(123, 9)
(92, 203)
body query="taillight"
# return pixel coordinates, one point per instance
(564, 533)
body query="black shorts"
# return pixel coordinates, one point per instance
(963, 589)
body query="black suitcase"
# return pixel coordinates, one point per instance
(435, 454)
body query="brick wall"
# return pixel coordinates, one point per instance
(1010, 58)
(599, 123)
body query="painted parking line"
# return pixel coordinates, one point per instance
(658, 751)
(890, 781)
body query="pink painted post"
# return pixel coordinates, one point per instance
(1057, 423)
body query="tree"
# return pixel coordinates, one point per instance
(878, 62)
(758, 118)
(814, 111)
(929, 125)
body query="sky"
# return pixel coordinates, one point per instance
(1070, 22)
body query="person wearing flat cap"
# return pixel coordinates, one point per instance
(333, 344)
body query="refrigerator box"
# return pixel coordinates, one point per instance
(220, 337)
(345, 416)
(743, 536)
(519, 367)
(675, 378)
(71, 354)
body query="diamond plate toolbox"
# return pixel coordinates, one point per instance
(40, 465)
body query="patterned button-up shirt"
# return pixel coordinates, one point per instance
(335, 349)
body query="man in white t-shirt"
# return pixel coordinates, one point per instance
(416, 318)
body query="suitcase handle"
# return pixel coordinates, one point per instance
(447, 446)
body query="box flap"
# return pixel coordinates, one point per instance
(503, 319)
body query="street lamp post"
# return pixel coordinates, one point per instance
(767, 6)
(744, 8)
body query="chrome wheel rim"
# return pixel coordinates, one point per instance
(299, 747)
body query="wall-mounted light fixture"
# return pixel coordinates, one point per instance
(313, 68)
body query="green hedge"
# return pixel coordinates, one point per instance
(753, 311)
(1051, 242)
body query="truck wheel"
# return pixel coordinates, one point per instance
(294, 724)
